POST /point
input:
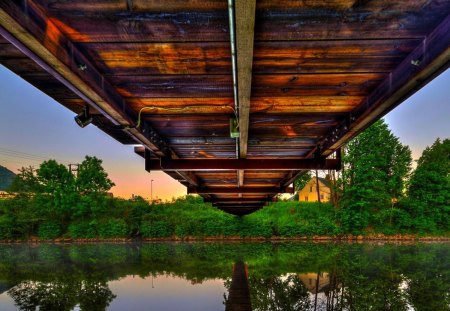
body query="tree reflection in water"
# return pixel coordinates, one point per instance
(61, 296)
(285, 276)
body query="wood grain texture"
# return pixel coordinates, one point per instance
(245, 33)
(161, 58)
(174, 86)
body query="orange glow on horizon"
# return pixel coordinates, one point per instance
(164, 186)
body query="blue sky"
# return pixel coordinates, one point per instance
(33, 127)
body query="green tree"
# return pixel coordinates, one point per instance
(376, 167)
(54, 178)
(92, 177)
(55, 195)
(429, 188)
(25, 182)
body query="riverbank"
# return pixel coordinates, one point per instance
(343, 238)
(191, 219)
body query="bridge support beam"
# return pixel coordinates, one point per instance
(246, 190)
(165, 164)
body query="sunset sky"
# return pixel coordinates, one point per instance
(33, 128)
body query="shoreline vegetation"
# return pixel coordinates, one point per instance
(190, 219)
(374, 195)
(314, 239)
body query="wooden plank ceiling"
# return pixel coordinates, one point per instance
(309, 75)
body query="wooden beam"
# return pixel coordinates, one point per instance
(245, 32)
(37, 36)
(166, 164)
(236, 200)
(240, 174)
(189, 177)
(246, 190)
(246, 205)
(428, 60)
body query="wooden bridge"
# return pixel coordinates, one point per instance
(234, 113)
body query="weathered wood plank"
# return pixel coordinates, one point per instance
(180, 120)
(9, 51)
(245, 28)
(25, 67)
(326, 65)
(267, 105)
(368, 20)
(143, 26)
(303, 120)
(257, 121)
(298, 105)
(344, 5)
(161, 58)
(205, 154)
(282, 85)
(135, 5)
(294, 142)
(330, 56)
(189, 104)
(315, 84)
(298, 20)
(280, 155)
(269, 57)
(174, 86)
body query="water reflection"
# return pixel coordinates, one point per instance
(61, 295)
(238, 293)
(237, 276)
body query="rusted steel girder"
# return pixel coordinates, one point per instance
(165, 164)
(430, 58)
(238, 200)
(245, 190)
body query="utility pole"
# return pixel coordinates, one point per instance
(317, 186)
(151, 191)
(73, 169)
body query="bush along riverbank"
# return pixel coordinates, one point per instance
(186, 218)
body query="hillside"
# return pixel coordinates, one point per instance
(6, 177)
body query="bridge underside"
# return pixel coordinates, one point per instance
(303, 78)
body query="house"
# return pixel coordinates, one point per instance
(315, 282)
(309, 192)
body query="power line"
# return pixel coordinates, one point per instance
(14, 154)
(9, 152)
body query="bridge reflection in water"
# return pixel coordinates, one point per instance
(239, 293)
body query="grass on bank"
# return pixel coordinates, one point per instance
(23, 218)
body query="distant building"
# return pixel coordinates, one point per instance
(315, 282)
(309, 192)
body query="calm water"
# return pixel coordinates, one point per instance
(227, 276)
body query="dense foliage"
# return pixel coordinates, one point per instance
(51, 202)
(429, 189)
(376, 166)
(183, 218)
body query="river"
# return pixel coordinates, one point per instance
(225, 276)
